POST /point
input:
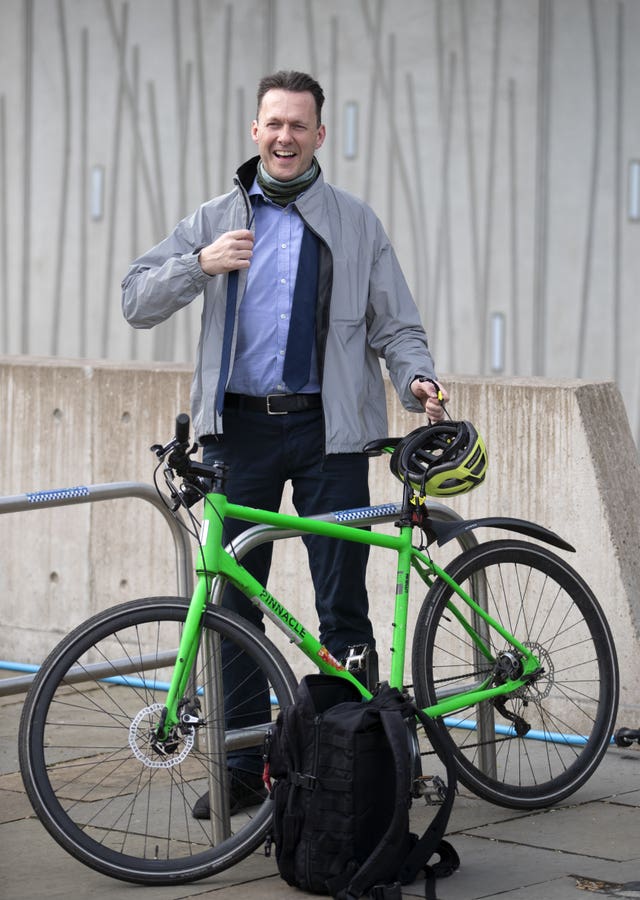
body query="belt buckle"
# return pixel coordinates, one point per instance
(274, 412)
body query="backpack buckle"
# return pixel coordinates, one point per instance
(308, 782)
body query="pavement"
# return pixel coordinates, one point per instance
(587, 846)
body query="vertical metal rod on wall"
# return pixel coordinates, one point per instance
(490, 183)
(61, 232)
(25, 296)
(542, 189)
(223, 172)
(202, 99)
(514, 300)
(4, 240)
(134, 249)
(585, 292)
(617, 200)
(470, 141)
(114, 182)
(83, 298)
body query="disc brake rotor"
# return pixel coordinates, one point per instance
(142, 732)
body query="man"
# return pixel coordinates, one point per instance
(303, 295)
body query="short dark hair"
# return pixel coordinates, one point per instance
(298, 82)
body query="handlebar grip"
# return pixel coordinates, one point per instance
(182, 428)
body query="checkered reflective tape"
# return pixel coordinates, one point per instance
(59, 494)
(366, 512)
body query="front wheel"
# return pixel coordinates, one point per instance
(542, 742)
(109, 795)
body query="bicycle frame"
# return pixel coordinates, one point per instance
(215, 562)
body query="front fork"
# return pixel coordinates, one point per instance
(181, 710)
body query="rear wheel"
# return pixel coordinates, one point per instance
(87, 756)
(567, 711)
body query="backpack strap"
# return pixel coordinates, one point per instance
(432, 840)
(352, 885)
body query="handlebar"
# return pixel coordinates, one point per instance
(198, 479)
(182, 428)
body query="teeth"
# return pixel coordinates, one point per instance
(284, 153)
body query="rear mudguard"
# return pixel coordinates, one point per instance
(444, 532)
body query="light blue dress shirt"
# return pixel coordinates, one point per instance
(265, 311)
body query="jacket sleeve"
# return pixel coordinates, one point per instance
(395, 330)
(168, 277)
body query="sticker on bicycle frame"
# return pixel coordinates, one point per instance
(280, 616)
(330, 660)
(204, 531)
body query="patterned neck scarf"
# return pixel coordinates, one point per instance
(285, 192)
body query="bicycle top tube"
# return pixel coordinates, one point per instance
(363, 516)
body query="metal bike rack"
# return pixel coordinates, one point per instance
(90, 494)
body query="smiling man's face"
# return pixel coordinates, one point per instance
(287, 133)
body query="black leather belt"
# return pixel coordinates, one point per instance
(273, 404)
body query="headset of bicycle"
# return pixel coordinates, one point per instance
(441, 460)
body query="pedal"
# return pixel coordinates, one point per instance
(432, 788)
(362, 662)
(625, 737)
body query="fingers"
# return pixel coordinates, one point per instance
(232, 250)
(433, 396)
(434, 410)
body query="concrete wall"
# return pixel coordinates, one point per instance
(496, 139)
(561, 453)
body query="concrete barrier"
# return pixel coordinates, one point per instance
(561, 454)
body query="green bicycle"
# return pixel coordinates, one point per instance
(128, 721)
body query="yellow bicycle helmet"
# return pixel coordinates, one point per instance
(441, 460)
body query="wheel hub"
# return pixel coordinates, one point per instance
(539, 687)
(145, 746)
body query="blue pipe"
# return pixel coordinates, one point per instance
(18, 667)
(124, 680)
(553, 737)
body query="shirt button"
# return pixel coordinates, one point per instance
(283, 281)
(283, 316)
(284, 246)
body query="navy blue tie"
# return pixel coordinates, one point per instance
(297, 360)
(227, 335)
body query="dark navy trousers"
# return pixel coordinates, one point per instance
(263, 452)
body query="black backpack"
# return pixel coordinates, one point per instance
(342, 773)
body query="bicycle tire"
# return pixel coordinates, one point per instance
(90, 773)
(570, 708)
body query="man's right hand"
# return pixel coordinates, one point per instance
(232, 250)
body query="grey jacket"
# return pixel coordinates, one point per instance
(365, 310)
